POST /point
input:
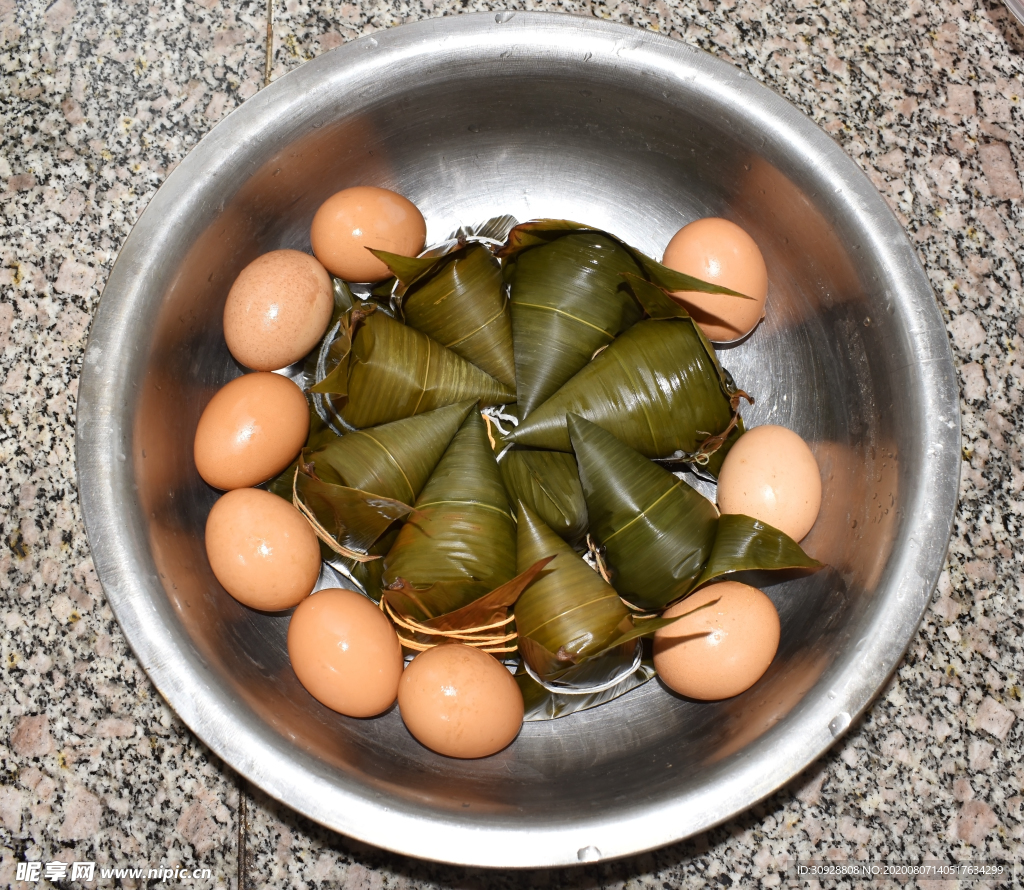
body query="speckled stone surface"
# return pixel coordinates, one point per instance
(100, 100)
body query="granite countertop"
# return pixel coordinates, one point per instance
(100, 100)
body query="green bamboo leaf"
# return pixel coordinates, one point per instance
(657, 531)
(743, 543)
(344, 299)
(460, 302)
(393, 460)
(281, 485)
(671, 280)
(407, 269)
(656, 303)
(568, 299)
(320, 434)
(355, 519)
(654, 388)
(548, 483)
(336, 382)
(645, 626)
(344, 302)
(395, 371)
(382, 290)
(330, 360)
(569, 613)
(638, 629)
(461, 542)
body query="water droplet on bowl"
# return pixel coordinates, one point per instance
(503, 17)
(588, 854)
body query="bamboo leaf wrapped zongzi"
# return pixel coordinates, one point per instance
(541, 231)
(459, 300)
(661, 538)
(394, 371)
(656, 530)
(461, 543)
(568, 299)
(654, 388)
(569, 614)
(394, 459)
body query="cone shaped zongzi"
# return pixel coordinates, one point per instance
(656, 530)
(395, 371)
(461, 541)
(460, 302)
(654, 388)
(569, 298)
(568, 614)
(393, 460)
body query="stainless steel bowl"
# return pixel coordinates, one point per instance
(538, 116)
(1017, 8)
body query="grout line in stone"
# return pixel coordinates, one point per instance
(243, 837)
(269, 62)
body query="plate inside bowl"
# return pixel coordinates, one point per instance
(536, 116)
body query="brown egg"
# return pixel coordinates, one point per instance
(721, 650)
(261, 549)
(357, 218)
(251, 430)
(460, 702)
(345, 652)
(277, 309)
(771, 474)
(720, 252)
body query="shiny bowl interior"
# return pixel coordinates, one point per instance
(537, 116)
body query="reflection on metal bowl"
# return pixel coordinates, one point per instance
(537, 116)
